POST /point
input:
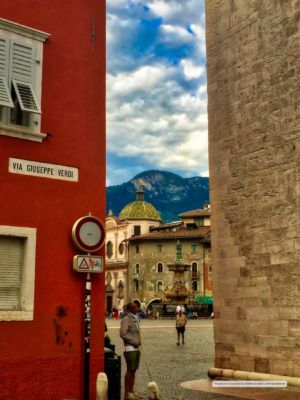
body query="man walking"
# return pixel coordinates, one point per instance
(181, 321)
(130, 333)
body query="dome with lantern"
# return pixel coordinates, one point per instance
(139, 209)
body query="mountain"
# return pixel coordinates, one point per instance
(169, 193)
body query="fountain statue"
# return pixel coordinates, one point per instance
(178, 294)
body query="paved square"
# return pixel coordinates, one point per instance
(169, 364)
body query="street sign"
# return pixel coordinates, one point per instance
(88, 234)
(88, 264)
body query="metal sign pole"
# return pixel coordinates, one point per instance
(88, 234)
(87, 329)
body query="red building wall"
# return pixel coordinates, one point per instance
(43, 358)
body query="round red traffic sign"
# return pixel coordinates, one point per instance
(88, 234)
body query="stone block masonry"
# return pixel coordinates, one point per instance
(253, 71)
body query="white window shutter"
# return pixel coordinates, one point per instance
(11, 261)
(26, 97)
(22, 65)
(5, 97)
(4, 57)
(22, 75)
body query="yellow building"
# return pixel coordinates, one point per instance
(139, 248)
(151, 253)
(135, 219)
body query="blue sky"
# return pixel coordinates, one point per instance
(156, 88)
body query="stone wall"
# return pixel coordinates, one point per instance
(253, 57)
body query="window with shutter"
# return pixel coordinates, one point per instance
(21, 61)
(17, 272)
(21, 50)
(22, 78)
(11, 260)
(5, 96)
(22, 74)
(26, 97)
(4, 57)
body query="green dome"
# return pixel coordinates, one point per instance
(139, 210)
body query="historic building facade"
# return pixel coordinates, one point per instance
(136, 218)
(253, 75)
(150, 254)
(52, 168)
(139, 247)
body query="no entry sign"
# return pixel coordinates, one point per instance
(88, 234)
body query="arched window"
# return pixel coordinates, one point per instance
(160, 267)
(137, 248)
(194, 286)
(135, 285)
(121, 248)
(109, 249)
(194, 267)
(120, 290)
(137, 268)
(160, 286)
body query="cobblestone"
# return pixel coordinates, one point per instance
(169, 364)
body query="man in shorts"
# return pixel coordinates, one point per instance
(130, 333)
(181, 321)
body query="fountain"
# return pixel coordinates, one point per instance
(178, 294)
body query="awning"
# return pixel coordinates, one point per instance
(204, 300)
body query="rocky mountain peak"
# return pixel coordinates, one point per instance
(169, 193)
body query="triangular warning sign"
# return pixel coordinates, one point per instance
(83, 265)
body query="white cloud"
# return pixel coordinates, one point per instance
(164, 9)
(199, 32)
(166, 131)
(183, 12)
(119, 174)
(192, 70)
(144, 78)
(156, 109)
(175, 35)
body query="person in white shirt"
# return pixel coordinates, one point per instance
(130, 333)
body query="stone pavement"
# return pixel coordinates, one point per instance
(258, 393)
(171, 366)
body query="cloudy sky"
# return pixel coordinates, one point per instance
(156, 88)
